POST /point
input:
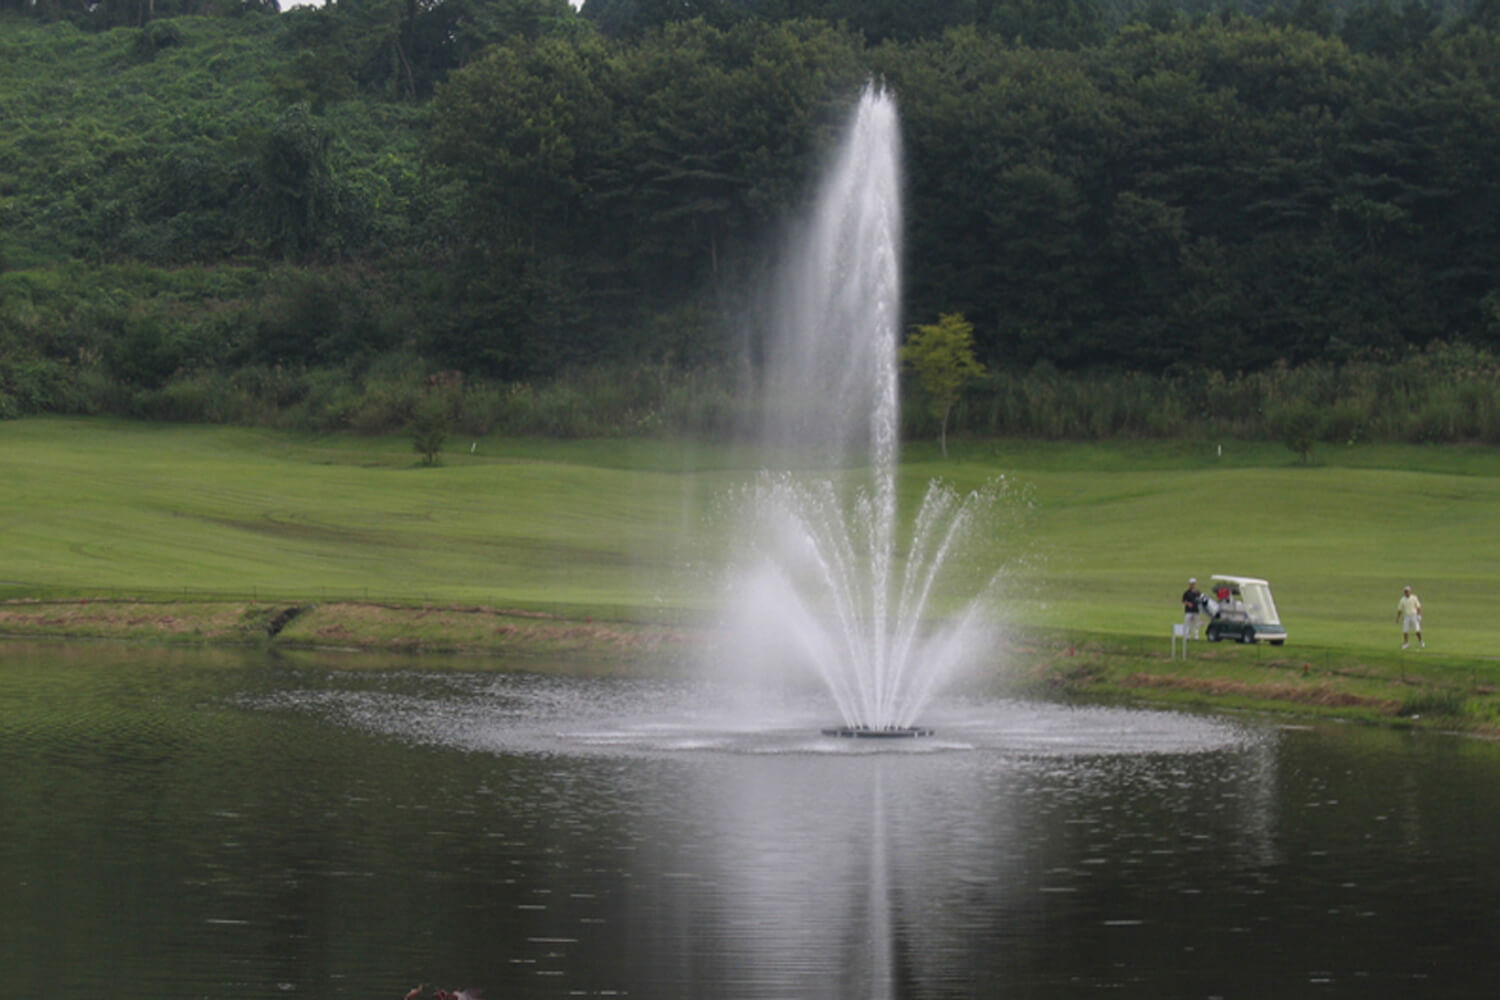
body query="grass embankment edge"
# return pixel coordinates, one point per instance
(1406, 689)
(1409, 690)
(351, 625)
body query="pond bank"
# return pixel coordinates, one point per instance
(355, 625)
(1409, 690)
(1417, 691)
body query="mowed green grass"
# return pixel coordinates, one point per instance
(1117, 531)
(1097, 538)
(104, 506)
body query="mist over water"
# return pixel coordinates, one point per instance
(820, 584)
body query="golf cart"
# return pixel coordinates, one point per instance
(1241, 608)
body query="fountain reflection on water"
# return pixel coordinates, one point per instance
(820, 582)
(543, 835)
(790, 865)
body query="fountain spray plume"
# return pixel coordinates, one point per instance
(819, 583)
(832, 368)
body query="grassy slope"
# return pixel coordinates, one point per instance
(1119, 529)
(1110, 537)
(100, 506)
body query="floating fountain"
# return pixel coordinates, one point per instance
(822, 581)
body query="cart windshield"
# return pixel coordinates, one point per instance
(1258, 604)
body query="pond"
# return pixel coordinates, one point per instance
(237, 824)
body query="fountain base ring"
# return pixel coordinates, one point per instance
(886, 733)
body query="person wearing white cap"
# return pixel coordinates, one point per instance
(1409, 614)
(1192, 604)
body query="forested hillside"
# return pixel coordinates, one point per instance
(215, 211)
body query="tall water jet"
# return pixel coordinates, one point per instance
(821, 582)
(832, 365)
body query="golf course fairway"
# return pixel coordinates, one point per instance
(1094, 539)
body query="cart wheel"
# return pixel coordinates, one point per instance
(1214, 636)
(1247, 638)
(1277, 642)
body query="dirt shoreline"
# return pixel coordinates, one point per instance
(435, 628)
(1040, 664)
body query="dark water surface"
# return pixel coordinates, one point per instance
(231, 824)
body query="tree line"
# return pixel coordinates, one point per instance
(303, 204)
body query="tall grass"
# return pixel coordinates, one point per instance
(1447, 393)
(1432, 701)
(615, 401)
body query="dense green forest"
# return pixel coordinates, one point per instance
(1268, 218)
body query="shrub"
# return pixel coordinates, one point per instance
(430, 425)
(192, 399)
(703, 404)
(384, 407)
(31, 384)
(479, 408)
(329, 403)
(154, 37)
(1298, 425)
(1343, 423)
